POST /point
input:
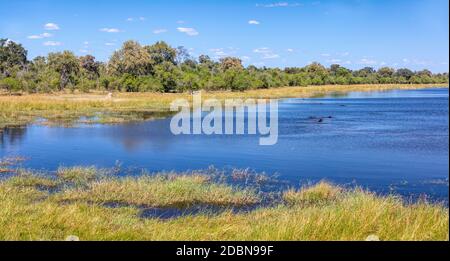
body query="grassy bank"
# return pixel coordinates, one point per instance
(96, 205)
(66, 109)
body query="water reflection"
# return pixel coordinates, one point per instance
(12, 135)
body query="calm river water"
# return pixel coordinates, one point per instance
(385, 141)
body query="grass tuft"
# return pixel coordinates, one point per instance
(77, 175)
(321, 193)
(160, 191)
(27, 178)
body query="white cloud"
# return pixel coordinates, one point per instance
(267, 53)
(132, 19)
(52, 43)
(325, 54)
(245, 58)
(40, 36)
(343, 54)
(253, 22)
(51, 26)
(110, 44)
(160, 31)
(188, 31)
(261, 50)
(84, 51)
(110, 30)
(366, 61)
(334, 61)
(290, 50)
(271, 56)
(219, 53)
(279, 4)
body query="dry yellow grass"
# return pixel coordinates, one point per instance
(160, 191)
(321, 193)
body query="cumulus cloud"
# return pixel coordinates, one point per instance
(266, 53)
(261, 50)
(219, 53)
(187, 30)
(278, 4)
(160, 31)
(270, 56)
(253, 22)
(110, 30)
(51, 26)
(132, 19)
(290, 50)
(366, 61)
(39, 36)
(52, 43)
(343, 54)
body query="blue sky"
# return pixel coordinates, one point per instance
(354, 33)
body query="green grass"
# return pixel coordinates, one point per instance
(77, 175)
(320, 212)
(160, 191)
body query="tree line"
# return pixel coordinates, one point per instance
(162, 68)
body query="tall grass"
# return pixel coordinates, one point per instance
(320, 212)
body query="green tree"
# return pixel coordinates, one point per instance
(386, 72)
(67, 65)
(90, 66)
(405, 73)
(161, 52)
(131, 59)
(12, 56)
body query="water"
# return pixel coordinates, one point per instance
(394, 141)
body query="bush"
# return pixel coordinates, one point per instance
(10, 84)
(150, 84)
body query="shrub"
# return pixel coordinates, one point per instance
(10, 84)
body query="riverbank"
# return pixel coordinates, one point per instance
(70, 108)
(95, 204)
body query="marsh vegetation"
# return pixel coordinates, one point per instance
(97, 204)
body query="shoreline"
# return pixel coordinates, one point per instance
(66, 109)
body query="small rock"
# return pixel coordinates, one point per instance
(72, 238)
(373, 238)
